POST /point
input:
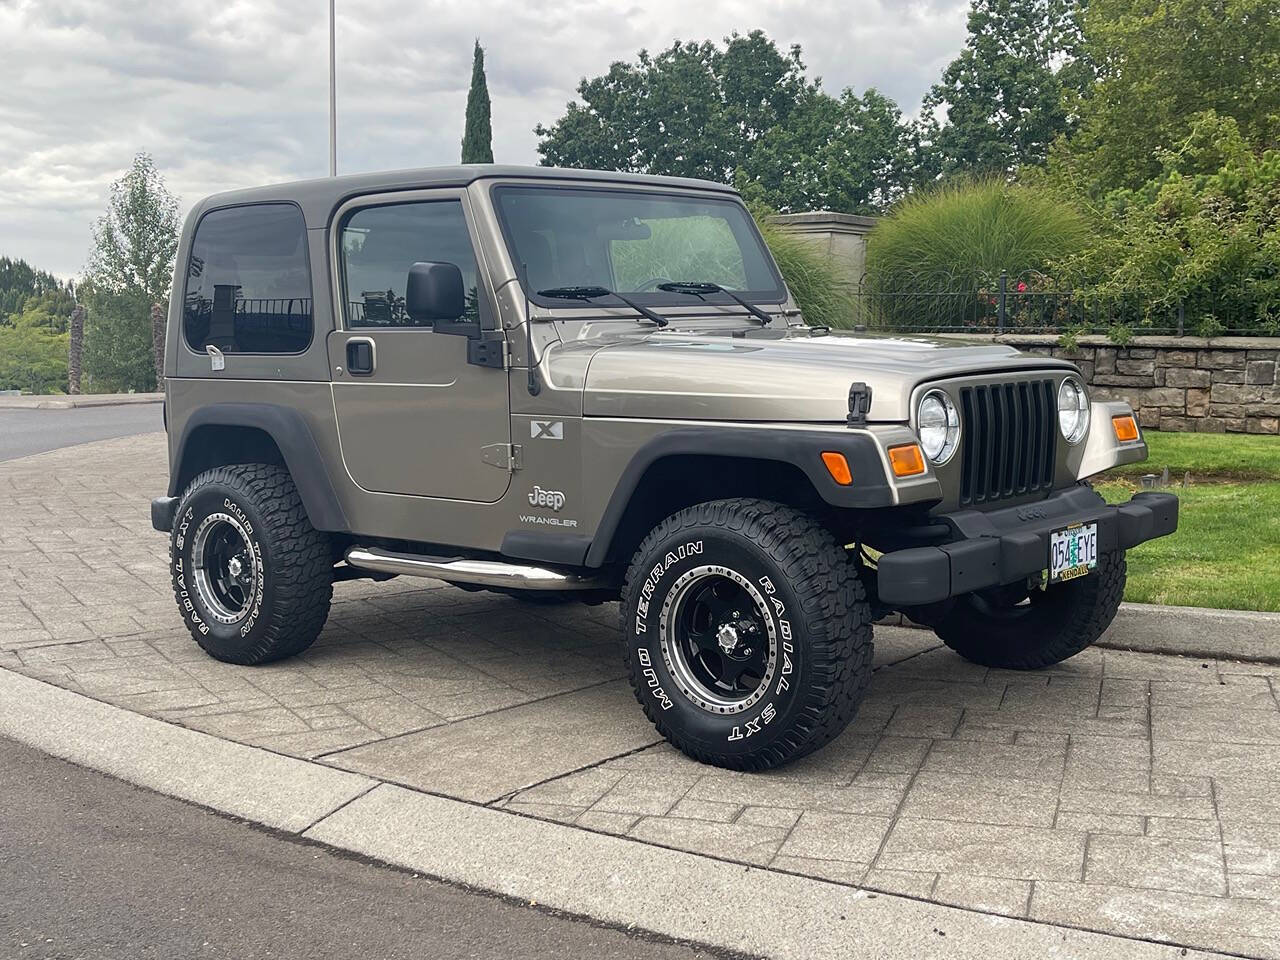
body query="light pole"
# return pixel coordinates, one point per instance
(333, 98)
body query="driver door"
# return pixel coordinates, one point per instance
(414, 417)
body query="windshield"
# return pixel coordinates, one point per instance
(631, 242)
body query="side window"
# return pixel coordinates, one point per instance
(248, 281)
(380, 244)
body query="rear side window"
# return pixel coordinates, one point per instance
(248, 282)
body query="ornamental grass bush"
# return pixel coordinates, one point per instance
(940, 251)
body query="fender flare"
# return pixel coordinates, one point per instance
(799, 448)
(296, 443)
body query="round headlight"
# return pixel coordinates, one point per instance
(1073, 410)
(938, 423)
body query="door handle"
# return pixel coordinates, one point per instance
(361, 356)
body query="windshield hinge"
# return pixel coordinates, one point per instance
(859, 404)
(488, 351)
(504, 456)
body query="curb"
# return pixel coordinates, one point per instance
(608, 878)
(1195, 632)
(81, 400)
(1200, 632)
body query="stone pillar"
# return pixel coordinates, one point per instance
(842, 236)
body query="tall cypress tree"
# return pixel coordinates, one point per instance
(477, 138)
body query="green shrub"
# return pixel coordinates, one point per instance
(819, 284)
(1203, 235)
(957, 238)
(33, 355)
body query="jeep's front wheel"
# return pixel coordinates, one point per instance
(748, 634)
(252, 577)
(1029, 626)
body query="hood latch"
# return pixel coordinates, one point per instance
(859, 404)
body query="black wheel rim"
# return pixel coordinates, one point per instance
(718, 640)
(226, 567)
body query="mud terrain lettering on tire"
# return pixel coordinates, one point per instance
(259, 585)
(691, 549)
(651, 677)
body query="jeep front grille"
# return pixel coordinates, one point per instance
(1009, 439)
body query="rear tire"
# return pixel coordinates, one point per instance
(1051, 626)
(252, 577)
(748, 633)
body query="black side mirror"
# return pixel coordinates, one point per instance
(434, 292)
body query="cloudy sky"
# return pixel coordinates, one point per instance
(227, 93)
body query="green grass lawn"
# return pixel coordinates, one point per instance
(1226, 551)
(1220, 456)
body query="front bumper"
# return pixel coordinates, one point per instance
(1004, 546)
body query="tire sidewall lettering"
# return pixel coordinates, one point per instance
(723, 731)
(199, 505)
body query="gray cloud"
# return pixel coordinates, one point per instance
(235, 93)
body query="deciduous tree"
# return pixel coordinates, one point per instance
(744, 112)
(130, 268)
(1010, 93)
(1161, 64)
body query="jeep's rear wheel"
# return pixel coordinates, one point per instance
(748, 634)
(252, 577)
(1031, 625)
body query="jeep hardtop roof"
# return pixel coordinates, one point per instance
(319, 197)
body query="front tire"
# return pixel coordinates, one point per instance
(1035, 628)
(748, 634)
(252, 577)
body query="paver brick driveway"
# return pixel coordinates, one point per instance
(1121, 792)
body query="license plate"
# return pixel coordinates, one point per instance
(1073, 552)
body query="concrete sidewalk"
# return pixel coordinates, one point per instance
(618, 881)
(1127, 793)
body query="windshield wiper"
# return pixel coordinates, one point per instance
(700, 289)
(594, 293)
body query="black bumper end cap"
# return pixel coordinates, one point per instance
(914, 576)
(1164, 513)
(163, 510)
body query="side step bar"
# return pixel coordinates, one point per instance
(483, 573)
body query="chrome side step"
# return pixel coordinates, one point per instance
(484, 573)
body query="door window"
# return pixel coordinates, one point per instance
(380, 244)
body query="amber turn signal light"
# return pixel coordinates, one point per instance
(838, 467)
(906, 460)
(1126, 428)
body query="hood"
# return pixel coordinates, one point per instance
(786, 375)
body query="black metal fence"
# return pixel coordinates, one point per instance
(1030, 304)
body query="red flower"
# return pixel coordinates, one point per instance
(1022, 287)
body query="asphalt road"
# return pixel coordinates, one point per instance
(24, 432)
(94, 868)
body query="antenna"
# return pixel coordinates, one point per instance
(535, 384)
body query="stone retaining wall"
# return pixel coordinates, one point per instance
(1215, 385)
